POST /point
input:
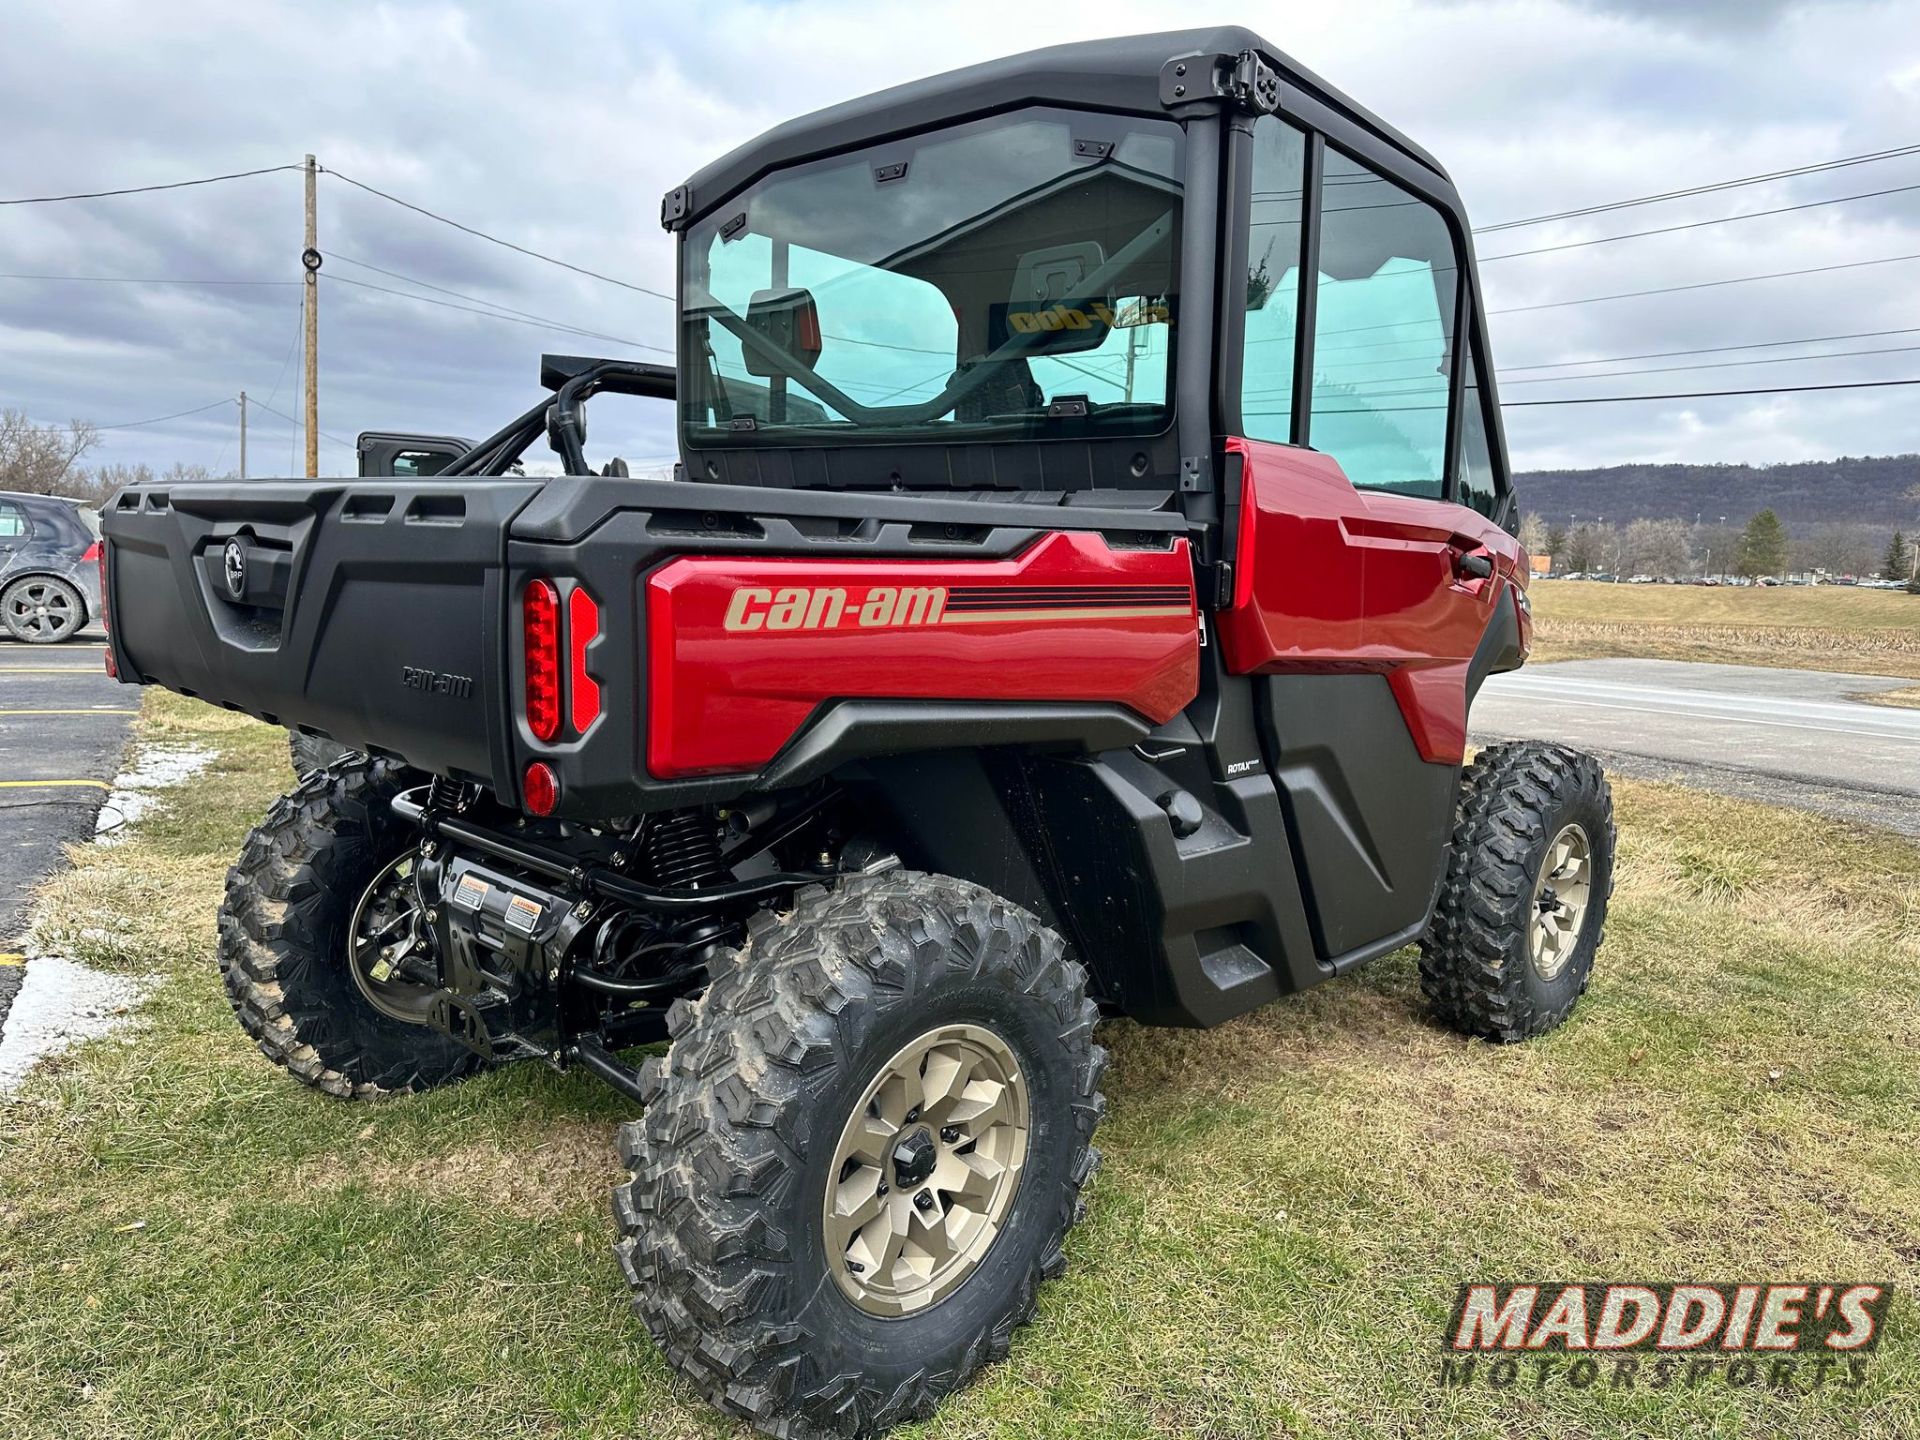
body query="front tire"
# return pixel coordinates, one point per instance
(1523, 909)
(758, 1227)
(292, 902)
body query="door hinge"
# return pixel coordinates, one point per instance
(1245, 79)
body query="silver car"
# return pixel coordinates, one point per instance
(49, 567)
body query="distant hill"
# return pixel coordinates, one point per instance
(1850, 490)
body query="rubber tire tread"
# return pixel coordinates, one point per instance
(712, 1166)
(1474, 968)
(289, 900)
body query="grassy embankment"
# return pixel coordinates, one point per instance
(192, 1245)
(1818, 627)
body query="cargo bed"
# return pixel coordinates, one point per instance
(384, 613)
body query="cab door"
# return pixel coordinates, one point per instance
(1367, 593)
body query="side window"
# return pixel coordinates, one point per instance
(1273, 280)
(13, 523)
(1478, 486)
(1383, 332)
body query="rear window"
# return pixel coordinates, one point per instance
(1010, 277)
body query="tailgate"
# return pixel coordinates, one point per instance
(370, 611)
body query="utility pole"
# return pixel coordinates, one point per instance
(243, 434)
(310, 261)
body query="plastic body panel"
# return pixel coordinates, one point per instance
(376, 613)
(741, 651)
(1331, 579)
(372, 610)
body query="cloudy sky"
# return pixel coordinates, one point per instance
(560, 129)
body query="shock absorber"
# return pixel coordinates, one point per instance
(682, 850)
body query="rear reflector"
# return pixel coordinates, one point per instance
(583, 627)
(97, 552)
(540, 633)
(540, 788)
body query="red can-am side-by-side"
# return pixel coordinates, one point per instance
(1090, 533)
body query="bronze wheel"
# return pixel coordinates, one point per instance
(1560, 899)
(926, 1170)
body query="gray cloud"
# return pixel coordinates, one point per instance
(564, 137)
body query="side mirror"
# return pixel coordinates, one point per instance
(1049, 301)
(787, 319)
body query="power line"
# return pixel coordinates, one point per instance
(1717, 365)
(1634, 399)
(1699, 224)
(143, 280)
(158, 419)
(145, 189)
(1692, 190)
(555, 326)
(1703, 350)
(292, 421)
(1696, 285)
(495, 239)
(1710, 394)
(1394, 384)
(506, 310)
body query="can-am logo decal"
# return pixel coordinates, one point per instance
(759, 608)
(1664, 1336)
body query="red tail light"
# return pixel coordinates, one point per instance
(583, 627)
(540, 632)
(97, 552)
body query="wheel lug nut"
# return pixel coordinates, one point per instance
(949, 1133)
(913, 1114)
(883, 1188)
(924, 1200)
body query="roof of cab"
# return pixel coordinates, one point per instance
(1118, 74)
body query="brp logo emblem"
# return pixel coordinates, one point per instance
(233, 567)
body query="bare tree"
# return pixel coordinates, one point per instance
(42, 459)
(1839, 549)
(1658, 547)
(1533, 533)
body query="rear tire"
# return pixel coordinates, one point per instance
(42, 610)
(290, 906)
(736, 1169)
(1523, 909)
(309, 752)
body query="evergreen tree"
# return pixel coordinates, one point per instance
(1557, 542)
(1763, 546)
(1899, 562)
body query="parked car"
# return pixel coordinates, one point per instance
(49, 567)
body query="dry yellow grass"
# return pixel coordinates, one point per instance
(1818, 627)
(1288, 1204)
(1899, 699)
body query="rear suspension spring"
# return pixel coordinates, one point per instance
(682, 850)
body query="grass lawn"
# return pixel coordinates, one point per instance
(193, 1245)
(1814, 627)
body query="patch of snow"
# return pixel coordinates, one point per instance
(60, 1003)
(156, 767)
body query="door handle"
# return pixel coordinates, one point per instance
(1472, 567)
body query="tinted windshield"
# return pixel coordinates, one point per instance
(1012, 276)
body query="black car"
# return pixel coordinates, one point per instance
(49, 567)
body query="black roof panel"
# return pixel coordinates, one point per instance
(1118, 74)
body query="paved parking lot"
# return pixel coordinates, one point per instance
(63, 731)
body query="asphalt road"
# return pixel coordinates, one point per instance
(63, 731)
(1788, 737)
